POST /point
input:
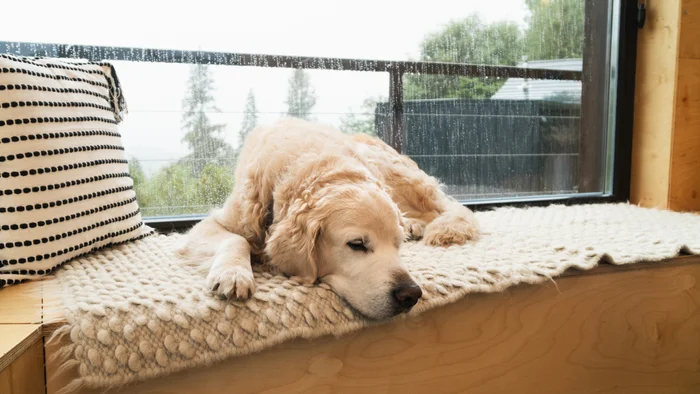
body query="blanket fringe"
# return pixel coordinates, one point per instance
(72, 387)
(67, 364)
(58, 334)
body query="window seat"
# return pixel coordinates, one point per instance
(584, 328)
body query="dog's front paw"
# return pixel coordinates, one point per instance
(231, 282)
(446, 230)
(413, 228)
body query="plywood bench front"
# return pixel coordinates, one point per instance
(612, 329)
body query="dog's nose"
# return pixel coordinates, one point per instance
(406, 296)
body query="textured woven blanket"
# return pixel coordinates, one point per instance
(133, 312)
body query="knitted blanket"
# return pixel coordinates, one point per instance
(133, 312)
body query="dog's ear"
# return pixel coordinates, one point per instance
(291, 246)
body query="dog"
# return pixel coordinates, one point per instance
(320, 205)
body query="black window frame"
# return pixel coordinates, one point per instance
(623, 105)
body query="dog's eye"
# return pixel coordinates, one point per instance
(357, 245)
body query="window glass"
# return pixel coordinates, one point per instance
(484, 134)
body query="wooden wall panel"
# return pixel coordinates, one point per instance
(684, 193)
(666, 147)
(689, 46)
(657, 53)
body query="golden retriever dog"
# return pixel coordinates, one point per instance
(318, 204)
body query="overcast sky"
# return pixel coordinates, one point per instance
(365, 29)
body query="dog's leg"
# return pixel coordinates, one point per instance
(427, 210)
(413, 228)
(455, 225)
(230, 274)
(225, 257)
(452, 224)
(429, 213)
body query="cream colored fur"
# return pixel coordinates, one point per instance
(302, 192)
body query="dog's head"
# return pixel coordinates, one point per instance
(345, 230)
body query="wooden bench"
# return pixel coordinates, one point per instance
(21, 345)
(631, 329)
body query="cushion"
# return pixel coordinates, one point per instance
(65, 188)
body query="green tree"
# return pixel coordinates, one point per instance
(555, 29)
(204, 177)
(250, 119)
(214, 185)
(301, 96)
(365, 121)
(136, 172)
(140, 181)
(203, 137)
(469, 41)
(172, 191)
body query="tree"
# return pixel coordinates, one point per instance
(172, 191)
(555, 29)
(364, 122)
(214, 186)
(136, 172)
(139, 178)
(301, 96)
(203, 137)
(250, 119)
(469, 41)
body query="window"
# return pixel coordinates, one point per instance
(503, 101)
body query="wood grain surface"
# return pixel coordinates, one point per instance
(633, 331)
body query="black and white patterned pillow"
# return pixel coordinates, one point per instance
(65, 189)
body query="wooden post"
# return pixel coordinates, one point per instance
(666, 147)
(684, 194)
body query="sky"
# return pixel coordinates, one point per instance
(363, 29)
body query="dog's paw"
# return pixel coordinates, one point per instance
(413, 229)
(231, 282)
(446, 231)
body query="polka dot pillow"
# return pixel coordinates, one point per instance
(65, 189)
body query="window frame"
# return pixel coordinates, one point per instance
(620, 109)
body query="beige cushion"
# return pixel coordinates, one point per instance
(65, 189)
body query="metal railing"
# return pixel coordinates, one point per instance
(396, 69)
